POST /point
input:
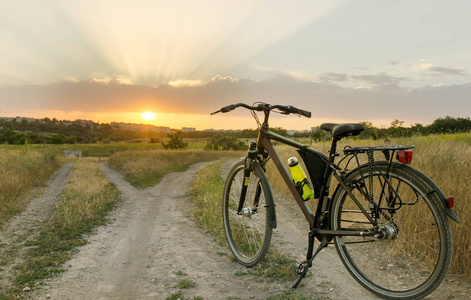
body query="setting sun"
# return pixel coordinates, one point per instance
(148, 116)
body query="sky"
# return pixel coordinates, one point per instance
(343, 60)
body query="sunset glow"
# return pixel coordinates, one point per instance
(342, 60)
(148, 116)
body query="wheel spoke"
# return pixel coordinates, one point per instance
(404, 261)
(248, 233)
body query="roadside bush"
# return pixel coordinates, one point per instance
(225, 143)
(176, 141)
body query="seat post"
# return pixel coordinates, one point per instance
(333, 149)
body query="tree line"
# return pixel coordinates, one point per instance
(53, 131)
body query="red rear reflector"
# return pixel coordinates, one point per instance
(404, 156)
(450, 202)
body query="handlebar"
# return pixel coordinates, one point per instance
(266, 107)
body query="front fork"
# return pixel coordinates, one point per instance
(252, 154)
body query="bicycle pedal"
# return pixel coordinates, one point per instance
(301, 266)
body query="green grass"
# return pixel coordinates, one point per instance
(185, 284)
(207, 194)
(144, 168)
(175, 296)
(107, 149)
(181, 273)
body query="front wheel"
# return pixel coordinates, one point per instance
(248, 231)
(412, 253)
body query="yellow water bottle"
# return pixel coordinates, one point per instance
(302, 184)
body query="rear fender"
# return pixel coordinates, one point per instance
(449, 212)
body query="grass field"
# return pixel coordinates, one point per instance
(444, 158)
(143, 168)
(106, 149)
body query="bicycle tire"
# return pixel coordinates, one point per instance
(415, 254)
(248, 234)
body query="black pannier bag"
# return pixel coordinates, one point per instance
(316, 167)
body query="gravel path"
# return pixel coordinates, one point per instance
(26, 226)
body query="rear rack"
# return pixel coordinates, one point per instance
(350, 150)
(388, 151)
(367, 177)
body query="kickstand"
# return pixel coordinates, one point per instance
(304, 265)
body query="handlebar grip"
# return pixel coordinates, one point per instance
(298, 111)
(228, 108)
(305, 113)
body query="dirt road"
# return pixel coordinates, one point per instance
(25, 227)
(151, 245)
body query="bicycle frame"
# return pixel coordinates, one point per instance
(363, 217)
(315, 220)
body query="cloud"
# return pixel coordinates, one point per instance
(336, 77)
(184, 82)
(440, 71)
(324, 100)
(108, 79)
(228, 79)
(381, 79)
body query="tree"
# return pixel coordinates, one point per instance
(370, 131)
(175, 142)
(57, 139)
(450, 125)
(418, 128)
(319, 135)
(397, 129)
(397, 123)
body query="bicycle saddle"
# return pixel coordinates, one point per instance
(343, 130)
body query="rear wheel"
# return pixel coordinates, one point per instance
(413, 252)
(248, 232)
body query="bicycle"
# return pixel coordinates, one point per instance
(388, 221)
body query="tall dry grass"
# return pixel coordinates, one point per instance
(20, 171)
(448, 163)
(446, 159)
(88, 196)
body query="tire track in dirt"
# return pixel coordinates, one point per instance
(27, 225)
